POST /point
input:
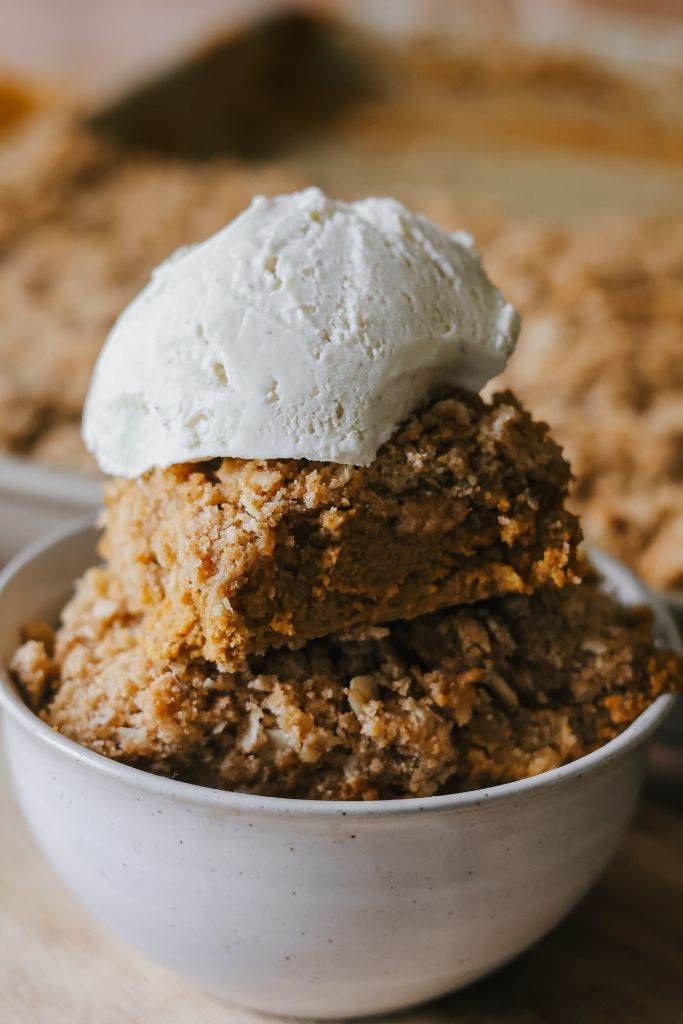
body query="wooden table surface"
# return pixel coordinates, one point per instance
(617, 959)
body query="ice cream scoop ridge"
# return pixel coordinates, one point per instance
(306, 328)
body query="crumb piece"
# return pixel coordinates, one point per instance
(33, 667)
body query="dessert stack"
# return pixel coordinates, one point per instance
(331, 570)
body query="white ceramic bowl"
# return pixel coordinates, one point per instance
(303, 907)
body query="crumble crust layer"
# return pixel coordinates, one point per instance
(455, 700)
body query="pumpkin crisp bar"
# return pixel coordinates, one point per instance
(230, 557)
(458, 699)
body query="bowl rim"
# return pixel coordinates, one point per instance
(173, 789)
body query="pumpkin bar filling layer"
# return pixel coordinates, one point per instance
(231, 557)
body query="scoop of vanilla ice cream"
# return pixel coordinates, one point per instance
(306, 328)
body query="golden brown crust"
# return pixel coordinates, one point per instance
(458, 699)
(465, 502)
